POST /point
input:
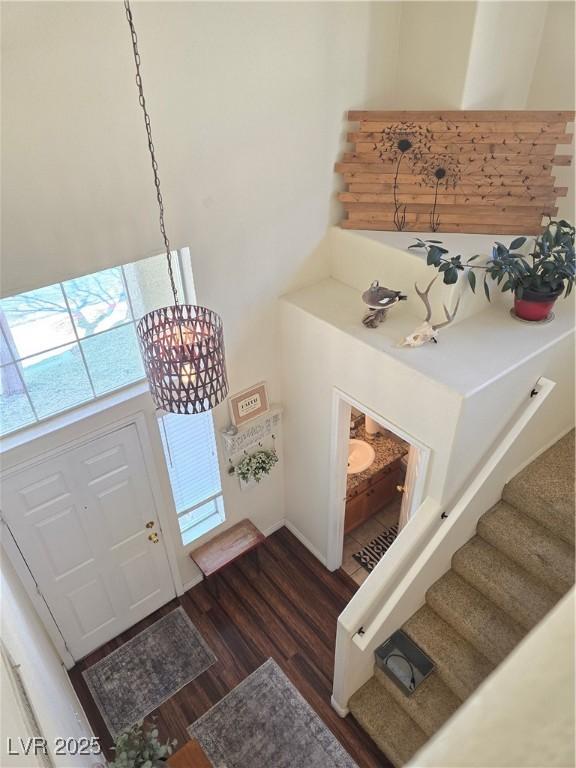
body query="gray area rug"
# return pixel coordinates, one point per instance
(132, 681)
(265, 723)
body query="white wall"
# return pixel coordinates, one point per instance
(433, 52)
(523, 714)
(553, 84)
(502, 55)
(55, 704)
(316, 358)
(246, 112)
(247, 103)
(486, 413)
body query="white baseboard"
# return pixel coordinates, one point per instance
(540, 451)
(303, 540)
(341, 711)
(274, 527)
(193, 582)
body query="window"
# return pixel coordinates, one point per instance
(72, 342)
(69, 343)
(190, 450)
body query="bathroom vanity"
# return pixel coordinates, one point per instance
(369, 491)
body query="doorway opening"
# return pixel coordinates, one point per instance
(377, 477)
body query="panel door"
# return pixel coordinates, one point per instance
(80, 520)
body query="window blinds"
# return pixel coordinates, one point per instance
(190, 449)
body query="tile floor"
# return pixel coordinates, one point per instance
(359, 537)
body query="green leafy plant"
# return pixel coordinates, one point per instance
(255, 466)
(139, 747)
(549, 268)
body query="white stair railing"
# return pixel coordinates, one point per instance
(397, 587)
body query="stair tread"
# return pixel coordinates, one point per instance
(460, 664)
(502, 582)
(529, 544)
(386, 722)
(544, 490)
(493, 632)
(430, 705)
(526, 599)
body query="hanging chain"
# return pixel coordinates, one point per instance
(142, 101)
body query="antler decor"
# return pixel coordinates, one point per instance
(454, 171)
(428, 331)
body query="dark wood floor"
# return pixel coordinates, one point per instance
(288, 612)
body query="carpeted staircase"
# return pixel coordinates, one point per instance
(502, 583)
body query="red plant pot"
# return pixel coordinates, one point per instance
(535, 306)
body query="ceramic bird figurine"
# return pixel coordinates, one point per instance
(379, 299)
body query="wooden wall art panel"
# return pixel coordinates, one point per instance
(471, 171)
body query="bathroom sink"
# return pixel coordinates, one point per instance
(360, 456)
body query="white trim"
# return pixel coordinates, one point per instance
(274, 527)
(10, 548)
(74, 415)
(303, 540)
(340, 427)
(198, 579)
(162, 510)
(340, 711)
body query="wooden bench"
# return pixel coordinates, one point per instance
(191, 755)
(241, 539)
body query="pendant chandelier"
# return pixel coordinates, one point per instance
(182, 345)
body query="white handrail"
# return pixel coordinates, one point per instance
(384, 578)
(396, 590)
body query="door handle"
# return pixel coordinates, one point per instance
(153, 537)
(400, 488)
(150, 524)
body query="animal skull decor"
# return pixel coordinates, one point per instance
(428, 331)
(379, 299)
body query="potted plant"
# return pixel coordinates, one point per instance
(254, 466)
(139, 747)
(537, 279)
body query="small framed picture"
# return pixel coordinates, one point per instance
(248, 404)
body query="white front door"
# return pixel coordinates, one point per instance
(86, 524)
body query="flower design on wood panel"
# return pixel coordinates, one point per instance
(438, 171)
(399, 141)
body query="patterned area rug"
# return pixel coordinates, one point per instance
(372, 553)
(265, 723)
(132, 681)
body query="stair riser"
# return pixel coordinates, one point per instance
(503, 582)
(551, 561)
(559, 522)
(459, 664)
(506, 602)
(431, 704)
(386, 722)
(476, 619)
